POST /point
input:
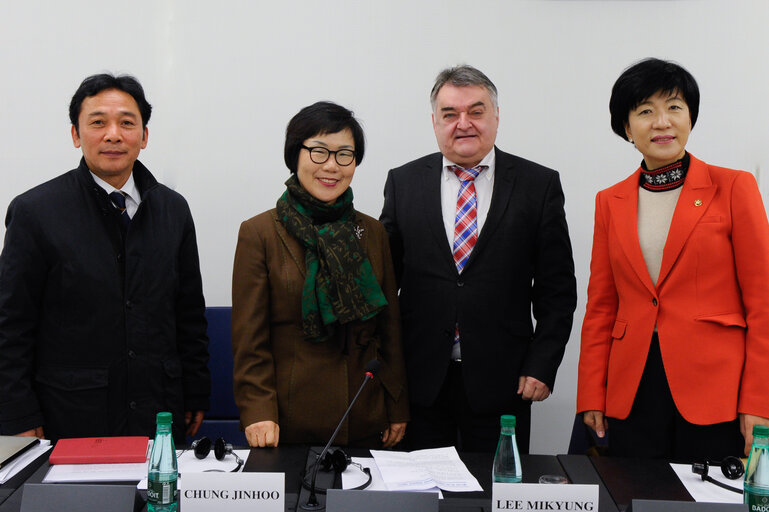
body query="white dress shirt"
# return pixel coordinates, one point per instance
(129, 190)
(450, 183)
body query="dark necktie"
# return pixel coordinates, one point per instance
(118, 199)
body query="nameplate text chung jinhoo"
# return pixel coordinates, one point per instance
(233, 492)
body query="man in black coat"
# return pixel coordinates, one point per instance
(479, 241)
(101, 305)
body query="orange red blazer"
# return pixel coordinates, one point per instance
(710, 305)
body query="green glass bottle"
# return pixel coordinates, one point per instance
(507, 461)
(162, 473)
(757, 473)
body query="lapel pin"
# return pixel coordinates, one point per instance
(358, 232)
(698, 202)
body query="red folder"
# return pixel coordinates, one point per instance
(99, 450)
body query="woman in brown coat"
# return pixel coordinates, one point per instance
(314, 299)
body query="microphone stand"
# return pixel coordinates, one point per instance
(312, 501)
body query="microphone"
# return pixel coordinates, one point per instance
(372, 367)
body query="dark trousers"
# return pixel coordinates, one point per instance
(655, 429)
(451, 421)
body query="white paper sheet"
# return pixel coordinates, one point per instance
(60, 473)
(138, 471)
(23, 460)
(425, 469)
(353, 477)
(703, 491)
(188, 463)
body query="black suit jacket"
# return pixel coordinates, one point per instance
(522, 262)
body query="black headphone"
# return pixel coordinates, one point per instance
(731, 467)
(202, 447)
(336, 461)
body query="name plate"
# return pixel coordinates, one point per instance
(544, 497)
(338, 500)
(685, 506)
(233, 492)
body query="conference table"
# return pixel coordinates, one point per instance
(619, 480)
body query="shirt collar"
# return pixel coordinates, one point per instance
(129, 188)
(488, 160)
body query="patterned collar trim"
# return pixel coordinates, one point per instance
(665, 178)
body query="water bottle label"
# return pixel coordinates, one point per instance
(757, 502)
(161, 493)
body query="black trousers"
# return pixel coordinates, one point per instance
(655, 429)
(451, 420)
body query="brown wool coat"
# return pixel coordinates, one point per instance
(305, 387)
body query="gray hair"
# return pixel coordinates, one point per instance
(463, 76)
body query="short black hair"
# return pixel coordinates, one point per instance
(323, 117)
(643, 80)
(95, 84)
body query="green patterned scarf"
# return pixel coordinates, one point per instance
(339, 284)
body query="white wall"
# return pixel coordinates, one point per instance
(225, 77)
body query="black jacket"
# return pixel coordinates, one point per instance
(522, 262)
(96, 334)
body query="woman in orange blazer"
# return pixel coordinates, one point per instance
(675, 340)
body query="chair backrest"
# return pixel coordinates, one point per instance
(220, 363)
(222, 418)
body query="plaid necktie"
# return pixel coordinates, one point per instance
(118, 199)
(466, 221)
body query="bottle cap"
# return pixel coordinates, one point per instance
(507, 421)
(164, 418)
(761, 430)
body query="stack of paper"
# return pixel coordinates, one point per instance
(19, 462)
(116, 472)
(425, 469)
(128, 472)
(187, 463)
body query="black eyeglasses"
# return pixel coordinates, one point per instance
(319, 155)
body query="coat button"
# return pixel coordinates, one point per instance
(132, 404)
(128, 304)
(132, 354)
(460, 283)
(654, 301)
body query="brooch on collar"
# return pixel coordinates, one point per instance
(358, 232)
